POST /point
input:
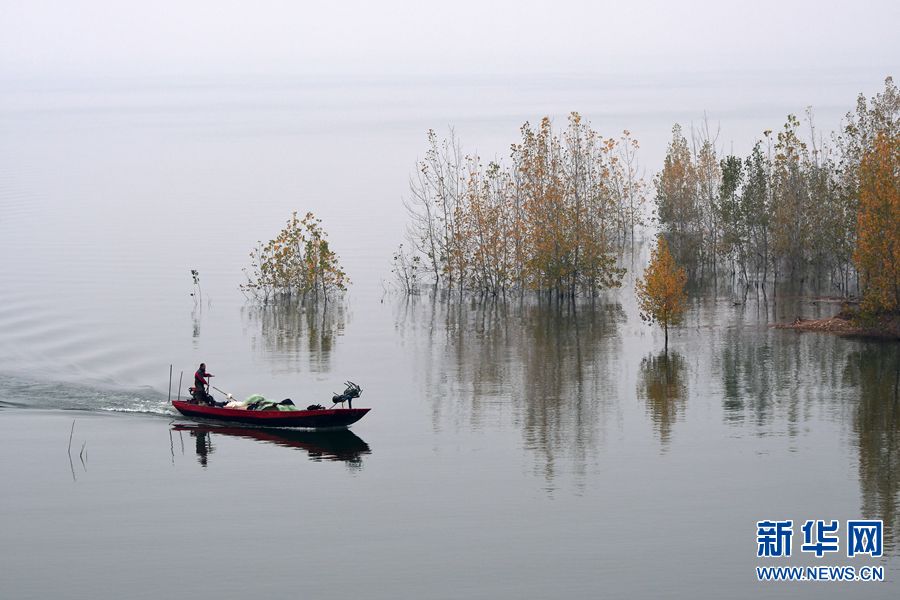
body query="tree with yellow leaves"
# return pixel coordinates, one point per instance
(660, 293)
(548, 221)
(877, 253)
(297, 264)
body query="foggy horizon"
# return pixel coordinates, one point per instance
(172, 43)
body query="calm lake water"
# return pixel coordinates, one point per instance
(513, 451)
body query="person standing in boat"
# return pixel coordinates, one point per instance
(201, 383)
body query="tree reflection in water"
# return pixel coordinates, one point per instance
(290, 332)
(784, 382)
(775, 380)
(876, 423)
(663, 386)
(550, 369)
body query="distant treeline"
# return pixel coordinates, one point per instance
(799, 207)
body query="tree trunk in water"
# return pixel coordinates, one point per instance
(666, 329)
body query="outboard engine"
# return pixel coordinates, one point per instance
(350, 392)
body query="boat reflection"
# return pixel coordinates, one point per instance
(338, 445)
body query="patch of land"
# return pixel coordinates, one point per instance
(849, 322)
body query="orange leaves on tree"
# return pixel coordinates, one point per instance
(660, 292)
(546, 221)
(877, 254)
(298, 262)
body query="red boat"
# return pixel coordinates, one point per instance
(313, 419)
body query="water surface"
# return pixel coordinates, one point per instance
(515, 449)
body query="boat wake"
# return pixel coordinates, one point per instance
(19, 392)
(164, 409)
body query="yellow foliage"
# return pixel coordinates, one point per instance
(660, 292)
(547, 222)
(877, 254)
(298, 262)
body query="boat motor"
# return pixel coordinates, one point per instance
(352, 391)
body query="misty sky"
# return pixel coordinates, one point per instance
(184, 39)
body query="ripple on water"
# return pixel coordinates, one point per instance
(21, 392)
(37, 337)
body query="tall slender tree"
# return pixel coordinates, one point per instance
(877, 253)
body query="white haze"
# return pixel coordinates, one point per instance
(65, 42)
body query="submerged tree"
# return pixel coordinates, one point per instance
(406, 268)
(198, 293)
(627, 185)
(547, 221)
(660, 292)
(568, 208)
(297, 264)
(676, 199)
(786, 212)
(877, 253)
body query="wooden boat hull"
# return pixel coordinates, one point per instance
(313, 419)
